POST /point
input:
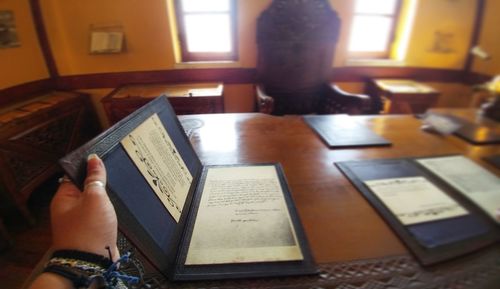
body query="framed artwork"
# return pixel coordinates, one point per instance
(8, 32)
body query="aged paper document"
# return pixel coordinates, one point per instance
(242, 218)
(415, 200)
(476, 183)
(155, 155)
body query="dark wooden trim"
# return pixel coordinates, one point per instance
(43, 39)
(102, 80)
(248, 75)
(476, 33)
(361, 74)
(24, 91)
(476, 78)
(227, 75)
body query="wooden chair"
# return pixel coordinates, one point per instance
(296, 42)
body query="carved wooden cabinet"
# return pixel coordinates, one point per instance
(35, 134)
(189, 98)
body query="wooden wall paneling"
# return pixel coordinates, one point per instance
(476, 78)
(24, 91)
(362, 74)
(226, 75)
(248, 75)
(106, 80)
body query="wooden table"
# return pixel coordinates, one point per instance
(331, 209)
(354, 247)
(404, 96)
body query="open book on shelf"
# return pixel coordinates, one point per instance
(195, 222)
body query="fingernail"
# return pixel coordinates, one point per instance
(92, 156)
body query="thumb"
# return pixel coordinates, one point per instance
(96, 176)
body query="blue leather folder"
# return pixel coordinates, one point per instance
(148, 225)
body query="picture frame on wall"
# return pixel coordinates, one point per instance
(8, 31)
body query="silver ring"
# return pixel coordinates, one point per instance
(95, 183)
(63, 179)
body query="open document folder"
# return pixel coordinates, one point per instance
(192, 221)
(422, 205)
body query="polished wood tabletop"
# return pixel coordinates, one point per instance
(339, 223)
(351, 243)
(474, 125)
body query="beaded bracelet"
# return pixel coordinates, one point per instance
(83, 269)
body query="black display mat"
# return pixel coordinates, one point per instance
(146, 223)
(430, 242)
(212, 272)
(339, 131)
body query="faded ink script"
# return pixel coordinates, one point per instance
(415, 200)
(155, 155)
(242, 218)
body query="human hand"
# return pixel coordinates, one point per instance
(85, 221)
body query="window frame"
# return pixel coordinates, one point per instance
(385, 54)
(187, 56)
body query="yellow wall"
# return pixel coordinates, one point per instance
(24, 63)
(145, 24)
(490, 40)
(453, 17)
(150, 41)
(150, 44)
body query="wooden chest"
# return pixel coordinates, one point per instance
(192, 98)
(35, 134)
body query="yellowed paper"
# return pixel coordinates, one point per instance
(476, 183)
(242, 218)
(415, 200)
(155, 155)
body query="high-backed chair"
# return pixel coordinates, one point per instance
(296, 41)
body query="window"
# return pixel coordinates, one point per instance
(207, 29)
(373, 28)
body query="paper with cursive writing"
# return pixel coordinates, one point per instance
(242, 218)
(155, 155)
(476, 183)
(415, 200)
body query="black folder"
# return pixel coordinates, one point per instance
(148, 225)
(430, 242)
(339, 131)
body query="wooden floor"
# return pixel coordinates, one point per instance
(30, 243)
